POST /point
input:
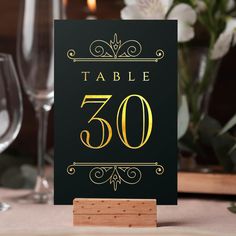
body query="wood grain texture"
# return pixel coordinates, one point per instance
(116, 206)
(115, 220)
(115, 212)
(210, 183)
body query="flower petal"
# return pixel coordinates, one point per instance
(131, 12)
(146, 9)
(230, 25)
(230, 5)
(157, 5)
(152, 9)
(200, 6)
(185, 32)
(166, 4)
(184, 13)
(231, 28)
(130, 2)
(222, 45)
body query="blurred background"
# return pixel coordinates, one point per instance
(25, 144)
(222, 102)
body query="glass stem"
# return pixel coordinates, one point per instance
(42, 115)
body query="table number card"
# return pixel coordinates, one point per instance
(115, 110)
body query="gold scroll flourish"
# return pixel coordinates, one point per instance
(115, 51)
(115, 173)
(115, 48)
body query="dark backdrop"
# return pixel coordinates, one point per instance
(223, 103)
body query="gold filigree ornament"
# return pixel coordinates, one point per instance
(115, 51)
(115, 173)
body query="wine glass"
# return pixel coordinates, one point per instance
(10, 106)
(35, 59)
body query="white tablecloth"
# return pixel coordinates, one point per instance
(191, 217)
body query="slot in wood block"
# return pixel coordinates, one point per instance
(115, 212)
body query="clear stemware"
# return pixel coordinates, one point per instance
(35, 59)
(10, 106)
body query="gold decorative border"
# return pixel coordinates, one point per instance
(115, 173)
(115, 51)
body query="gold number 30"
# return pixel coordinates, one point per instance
(122, 111)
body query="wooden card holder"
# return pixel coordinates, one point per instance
(115, 212)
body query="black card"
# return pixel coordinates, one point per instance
(116, 110)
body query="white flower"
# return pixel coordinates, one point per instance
(159, 9)
(226, 39)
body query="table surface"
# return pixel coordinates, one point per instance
(192, 217)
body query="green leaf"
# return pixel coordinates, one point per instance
(233, 149)
(221, 146)
(183, 117)
(232, 154)
(232, 208)
(189, 141)
(230, 124)
(208, 129)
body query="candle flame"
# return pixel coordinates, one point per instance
(92, 5)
